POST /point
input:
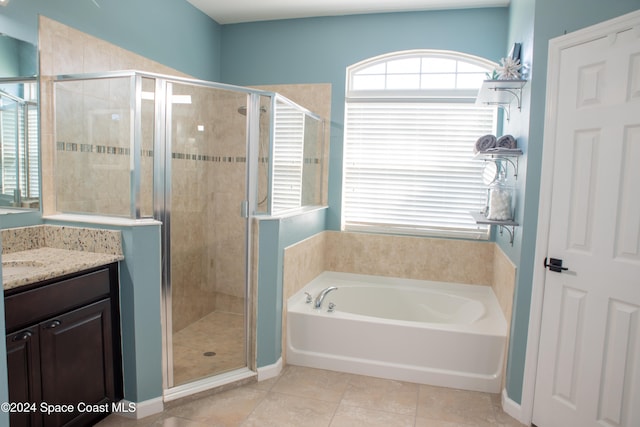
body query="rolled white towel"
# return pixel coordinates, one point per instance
(485, 143)
(506, 141)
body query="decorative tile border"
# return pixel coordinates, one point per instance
(112, 150)
(120, 151)
(205, 158)
(90, 148)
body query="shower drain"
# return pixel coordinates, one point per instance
(209, 353)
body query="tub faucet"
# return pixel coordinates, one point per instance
(320, 297)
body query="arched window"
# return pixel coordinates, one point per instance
(411, 124)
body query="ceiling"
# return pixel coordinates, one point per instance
(237, 11)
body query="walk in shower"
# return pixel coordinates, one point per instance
(205, 159)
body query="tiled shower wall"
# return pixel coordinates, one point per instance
(207, 187)
(64, 50)
(92, 147)
(446, 260)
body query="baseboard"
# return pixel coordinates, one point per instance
(513, 409)
(270, 371)
(138, 410)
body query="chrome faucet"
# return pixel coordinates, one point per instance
(320, 297)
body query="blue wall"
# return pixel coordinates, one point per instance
(171, 32)
(318, 50)
(17, 58)
(275, 236)
(521, 28)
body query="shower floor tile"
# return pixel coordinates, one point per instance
(210, 346)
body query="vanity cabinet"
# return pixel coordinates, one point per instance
(23, 365)
(63, 348)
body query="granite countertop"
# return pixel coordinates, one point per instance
(34, 254)
(35, 265)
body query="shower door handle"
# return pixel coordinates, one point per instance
(244, 209)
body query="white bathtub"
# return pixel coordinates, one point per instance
(442, 334)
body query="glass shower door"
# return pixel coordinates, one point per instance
(205, 234)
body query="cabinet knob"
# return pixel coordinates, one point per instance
(22, 336)
(53, 324)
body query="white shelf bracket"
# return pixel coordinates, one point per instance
(516, 93)
(511, 231)
(501, 93)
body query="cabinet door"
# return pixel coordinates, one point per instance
(77, 363)
(23, 371)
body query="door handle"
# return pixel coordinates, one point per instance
(555, 264)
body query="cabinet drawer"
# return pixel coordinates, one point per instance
(29, 307)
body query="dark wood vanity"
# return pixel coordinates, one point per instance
(64, 349)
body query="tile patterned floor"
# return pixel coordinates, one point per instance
(220, 333)
(302, 397)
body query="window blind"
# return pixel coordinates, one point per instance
(287, 158)
(409, 167)
(10, 127)
(32, 171)
(16, 151)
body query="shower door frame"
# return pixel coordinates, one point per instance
(162, 212)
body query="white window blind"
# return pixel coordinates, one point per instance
(288, 159)
(9, 122)
(409, 167)
(19, 142)
(411, 124)
(32, 169)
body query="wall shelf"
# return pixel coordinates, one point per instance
(501, 93)
(507, 155)
(508, 225)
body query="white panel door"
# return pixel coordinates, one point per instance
(589, 356)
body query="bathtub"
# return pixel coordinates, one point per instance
(442, 334)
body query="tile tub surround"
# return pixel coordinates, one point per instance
(503, 284)
(52, 251)
(441, 260)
